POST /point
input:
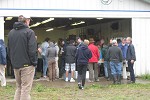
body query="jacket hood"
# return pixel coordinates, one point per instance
(1, 42)
(19, 25)
(84, 47)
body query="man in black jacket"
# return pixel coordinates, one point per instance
(131, 58)
(83, 55)
(70, 60)
(114, 55)
(22, 49)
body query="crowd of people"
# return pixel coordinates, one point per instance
(62, 59)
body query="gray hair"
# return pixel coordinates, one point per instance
(114, 42)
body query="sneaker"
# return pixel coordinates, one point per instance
(72, 80)
(66, 79)
(97, 80)
(90, 81)
(81, 87)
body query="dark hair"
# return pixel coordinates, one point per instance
(47, 39)
(71, 41)
(21, 18)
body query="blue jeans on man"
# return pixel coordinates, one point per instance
(116, 71)
(107, 70)
(45, 65)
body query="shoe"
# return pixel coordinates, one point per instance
(81, 87)
(90, 81)
(97, 80)
(114, 79)
(131, 82)
(66, 79)
(119, 79)
(72, 80)
(128, 78)
(44, 76)
(108, 79)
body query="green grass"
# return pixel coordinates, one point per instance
(91, 92)
(145, 76)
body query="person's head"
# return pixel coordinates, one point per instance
(86, 42)
(124, 40)
(63, 42)
(51, 44)
(129, 40)
(47, 39)
(119, 41)
(72, 42)
(114, 42)
(24, 19)
(79, 40)
(110, 41)
(91, 40)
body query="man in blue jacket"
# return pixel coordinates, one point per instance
(2, 63)
(83, 55)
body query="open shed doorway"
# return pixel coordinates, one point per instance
(58, 29)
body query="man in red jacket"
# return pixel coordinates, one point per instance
(93, 62)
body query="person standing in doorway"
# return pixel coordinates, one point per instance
(44, 48)
(62, 53)
(123, 46)
(114, 55)
(57, 58)
(131, 58)
(40, 60)
(70, 60)
(83, 55)
(106, 63)
(51, 55)
(3, 62)
(93, 62)
(22, 50)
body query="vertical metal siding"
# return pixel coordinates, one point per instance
(141, 34)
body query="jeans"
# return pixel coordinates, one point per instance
(45, 65)
(106, 65)
(116, 68)
(24, 79)
(130, 65)
(82, 73)
(91, 67)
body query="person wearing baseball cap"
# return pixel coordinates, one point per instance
(22, 50)
(114, 56)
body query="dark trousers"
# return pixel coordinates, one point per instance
(62, 66)
(82, 73)
(130, 66)
(40, 65)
